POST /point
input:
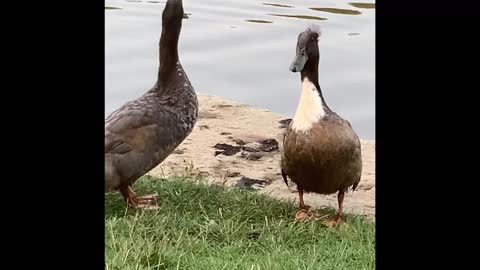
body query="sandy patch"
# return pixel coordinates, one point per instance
(222, 121)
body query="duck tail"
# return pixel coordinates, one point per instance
(355, 184)
(284, 175)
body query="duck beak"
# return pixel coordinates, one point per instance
(298, 63)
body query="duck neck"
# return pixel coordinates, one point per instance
(168, 58)
(310, 74)
(171, 26)
(312, 107)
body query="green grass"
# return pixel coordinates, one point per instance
(209, 227)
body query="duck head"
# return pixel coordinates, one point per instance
(307, 55)
(172, 17)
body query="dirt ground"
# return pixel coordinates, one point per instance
(242, 126)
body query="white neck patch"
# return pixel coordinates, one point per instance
(310, 108)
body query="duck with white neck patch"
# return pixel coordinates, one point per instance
(322, 153)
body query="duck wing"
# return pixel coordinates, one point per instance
(141, 131)
(284, 174)
(124, 132)
(136, 142)
(114, 144)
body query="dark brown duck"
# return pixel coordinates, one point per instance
(145, 131)
(322, 153)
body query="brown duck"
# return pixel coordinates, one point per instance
(322, 153)
(145, 131)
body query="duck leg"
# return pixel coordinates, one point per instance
(303, 213)
(132, 199)
(338, 219)
(129, 196)
(300, 195)
(341, 195)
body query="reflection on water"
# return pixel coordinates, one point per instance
(338, 11)
(242, 50)
(277, 5)
(305, 17)
(363, 5)
(258, 21)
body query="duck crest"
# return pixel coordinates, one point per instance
(310, 109)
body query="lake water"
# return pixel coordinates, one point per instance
(242, 49)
